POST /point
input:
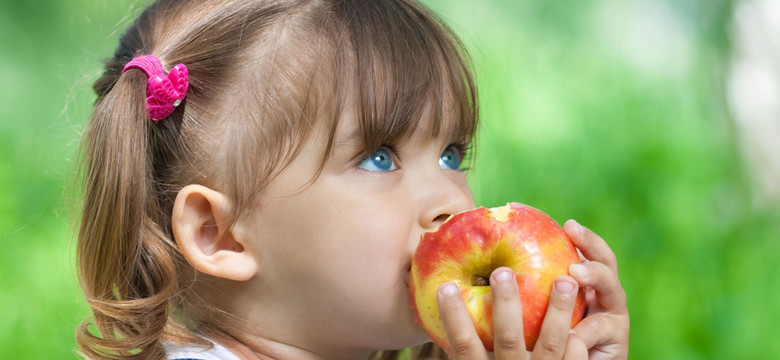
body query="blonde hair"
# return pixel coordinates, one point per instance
(262, 74)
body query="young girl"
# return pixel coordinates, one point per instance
(257, 175)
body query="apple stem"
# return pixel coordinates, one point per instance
(481, 281)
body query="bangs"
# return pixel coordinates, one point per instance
(407, 73)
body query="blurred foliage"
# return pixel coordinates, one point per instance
(610, 112)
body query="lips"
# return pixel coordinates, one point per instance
(407, 273)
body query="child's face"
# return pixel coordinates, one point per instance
(335, 255)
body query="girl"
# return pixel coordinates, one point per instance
(257, 175)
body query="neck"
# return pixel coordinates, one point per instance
(253, 347)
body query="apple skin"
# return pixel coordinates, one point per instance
(466, 249)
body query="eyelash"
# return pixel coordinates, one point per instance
(463, 149)
(464, 152)
(364, 155)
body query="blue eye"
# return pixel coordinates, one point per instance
(380, 160)
(449, 159)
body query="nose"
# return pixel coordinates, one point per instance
(446, 193)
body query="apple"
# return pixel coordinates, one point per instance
(466, 249)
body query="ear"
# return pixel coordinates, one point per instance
(200, 222)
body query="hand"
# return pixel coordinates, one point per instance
(603, 333)
(509, 342)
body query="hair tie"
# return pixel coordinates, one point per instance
(164, 93)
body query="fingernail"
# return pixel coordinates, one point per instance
(579, 270)
(564, 287)
(448, 289)
(503, 276)
(580, 228)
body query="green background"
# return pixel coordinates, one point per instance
(610, 112)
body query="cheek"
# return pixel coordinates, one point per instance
(339, 253)
(338, 234)
(366, 242)
(459, 178)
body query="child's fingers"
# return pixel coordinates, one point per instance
(463, 338)
(592, 246)
(575, 348)
(601, 278)
(557, 321)
(608, 332)
(508, 339)
(605, 329)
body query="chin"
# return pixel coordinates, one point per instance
(414, 337)
(395, 337)
(400, 330)
(406, 332)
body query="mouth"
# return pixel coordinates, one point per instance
(408, 273)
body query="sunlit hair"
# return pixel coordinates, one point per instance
(263, 75)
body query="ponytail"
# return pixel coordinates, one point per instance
(126, 263)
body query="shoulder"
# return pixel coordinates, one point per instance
(193, 352)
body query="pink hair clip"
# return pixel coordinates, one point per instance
(164, 93)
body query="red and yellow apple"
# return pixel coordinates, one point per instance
(466, 249)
